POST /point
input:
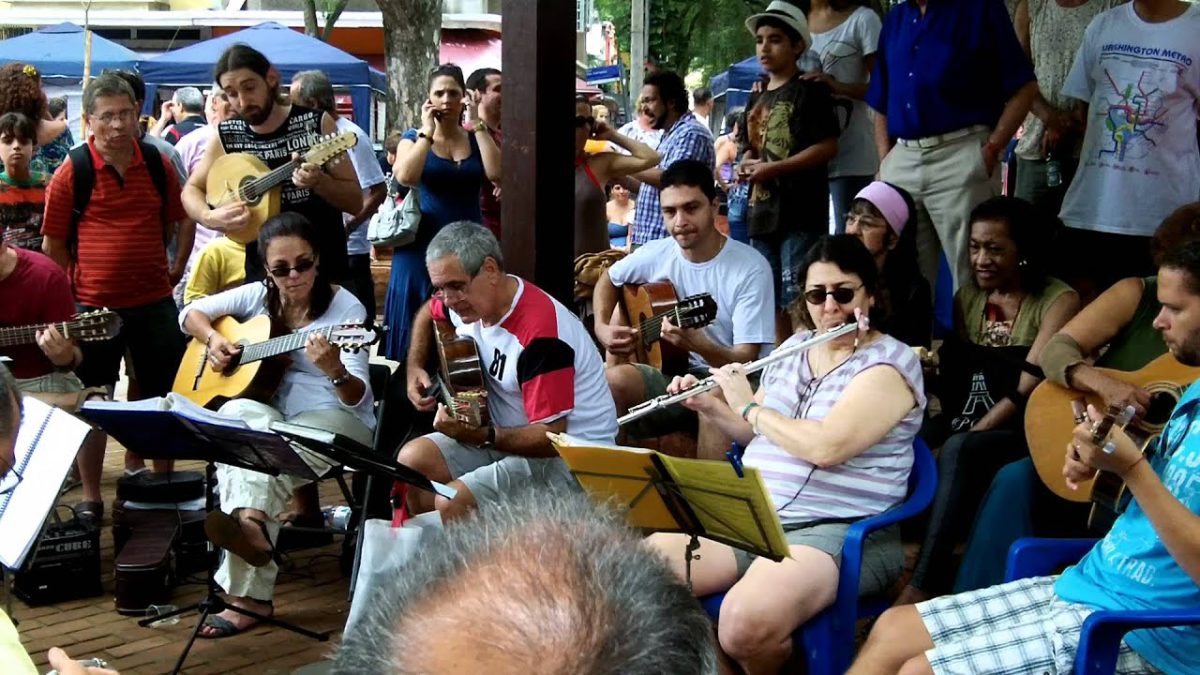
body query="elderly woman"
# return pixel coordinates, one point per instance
(322, 387)
(831, 430)
(21, 91)
(1003, 317)
(884, 218)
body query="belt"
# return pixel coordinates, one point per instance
(934, 141)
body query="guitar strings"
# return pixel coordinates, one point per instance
(278, 175)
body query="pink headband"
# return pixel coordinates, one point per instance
(889, 202)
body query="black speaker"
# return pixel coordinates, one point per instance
(64, 566)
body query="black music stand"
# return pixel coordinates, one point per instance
(157, 434)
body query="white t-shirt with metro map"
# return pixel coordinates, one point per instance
(541, 366)
(1139, 160)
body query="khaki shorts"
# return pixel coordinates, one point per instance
(60, 382)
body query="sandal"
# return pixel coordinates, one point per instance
(89, 514)
(225, 530)
(222, 628)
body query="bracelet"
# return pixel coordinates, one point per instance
(341, 379)
(746, 410)
(1141, 458)
(754, 422)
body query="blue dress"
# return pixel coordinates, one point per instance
(449, 192)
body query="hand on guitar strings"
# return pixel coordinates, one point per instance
(221, 352)
(326, 357)
(615, 338)
(687, 339)
(1086, 455)
(230, 217)
(445, 422)
(419, 386)
(57, 348)
(307, 175)
(1114, 392)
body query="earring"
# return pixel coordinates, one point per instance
(1023, 263)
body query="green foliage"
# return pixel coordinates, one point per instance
(687, 35)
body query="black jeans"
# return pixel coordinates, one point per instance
(155, 344)
(966, 465)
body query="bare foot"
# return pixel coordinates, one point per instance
(240, 622)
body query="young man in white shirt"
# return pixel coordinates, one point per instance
(540, 368)
(696, 259)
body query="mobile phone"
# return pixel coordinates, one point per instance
(437, 115)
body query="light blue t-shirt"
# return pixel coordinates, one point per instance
(1131, 569)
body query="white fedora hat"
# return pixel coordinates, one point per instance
(787, 13)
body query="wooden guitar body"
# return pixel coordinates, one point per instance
(1049, 422)
(462, 374)
(258, 380)
(228, 181)
(642, 303)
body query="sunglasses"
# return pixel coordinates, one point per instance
(841, 295)
(581, 121)
(300, 268)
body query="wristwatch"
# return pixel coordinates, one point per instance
(480, 125)
(341, 380)
(490, 443)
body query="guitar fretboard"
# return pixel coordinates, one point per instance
(23, 335)
(282, 344)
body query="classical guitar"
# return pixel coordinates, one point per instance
(1108, 490)
(460, 376)
(254, 374)
(1049, 420)
(647, 305)
(244, 177)
(101, 324)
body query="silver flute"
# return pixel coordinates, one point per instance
(660, 402)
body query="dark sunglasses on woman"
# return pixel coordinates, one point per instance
(300, 268)
(841, 295)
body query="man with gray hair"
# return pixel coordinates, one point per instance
(540, 582)
(541, 369)
(180, 116)
(312, 89)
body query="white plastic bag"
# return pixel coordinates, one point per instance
(385, 552)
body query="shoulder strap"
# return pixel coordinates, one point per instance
(158, 174)
(84, 174)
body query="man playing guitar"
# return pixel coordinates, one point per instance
(697, 258)
(1150, 559)
(543, 374)
(273, 130)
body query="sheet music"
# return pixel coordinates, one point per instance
(43, 467)
(174, 403)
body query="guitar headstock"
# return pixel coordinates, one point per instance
(351, 337)
(329, 147)
(94, 326)
(696, 311)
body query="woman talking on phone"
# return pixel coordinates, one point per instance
(593, 172)
(448, 163)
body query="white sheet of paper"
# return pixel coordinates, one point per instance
(43, 468)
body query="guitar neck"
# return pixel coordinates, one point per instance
(274, 177)
(650, 330)
(25, 335)
(280, 345)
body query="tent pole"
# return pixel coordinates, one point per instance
(87, 63)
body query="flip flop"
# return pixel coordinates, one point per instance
(225, 530)
(222, 628)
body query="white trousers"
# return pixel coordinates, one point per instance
(244, 489)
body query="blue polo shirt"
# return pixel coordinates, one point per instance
(953, 67)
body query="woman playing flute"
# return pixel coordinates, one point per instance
(831, 430)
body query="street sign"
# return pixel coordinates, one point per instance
(604, 74)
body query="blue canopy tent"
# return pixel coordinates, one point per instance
(731, 89)
(57, 52)
(288, 50)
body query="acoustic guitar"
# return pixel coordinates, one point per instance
(254, 373)
(100, 324)
(243, 177)
(460, 377)
(646, 305)
(1050, 421)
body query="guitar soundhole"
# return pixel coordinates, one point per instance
(248, 192)
(1159, 410)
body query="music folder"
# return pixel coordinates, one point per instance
(661, 493)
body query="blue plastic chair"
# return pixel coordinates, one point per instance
(827, 639)
(1100, 637)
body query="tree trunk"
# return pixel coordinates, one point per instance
(310, 18)
(412, 34)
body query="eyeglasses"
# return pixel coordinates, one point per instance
(581, 121)
(108, 118)
(300, 268)
(454, 289)
(841, 295)
(10, 480)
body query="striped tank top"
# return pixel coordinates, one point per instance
(870, 483)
